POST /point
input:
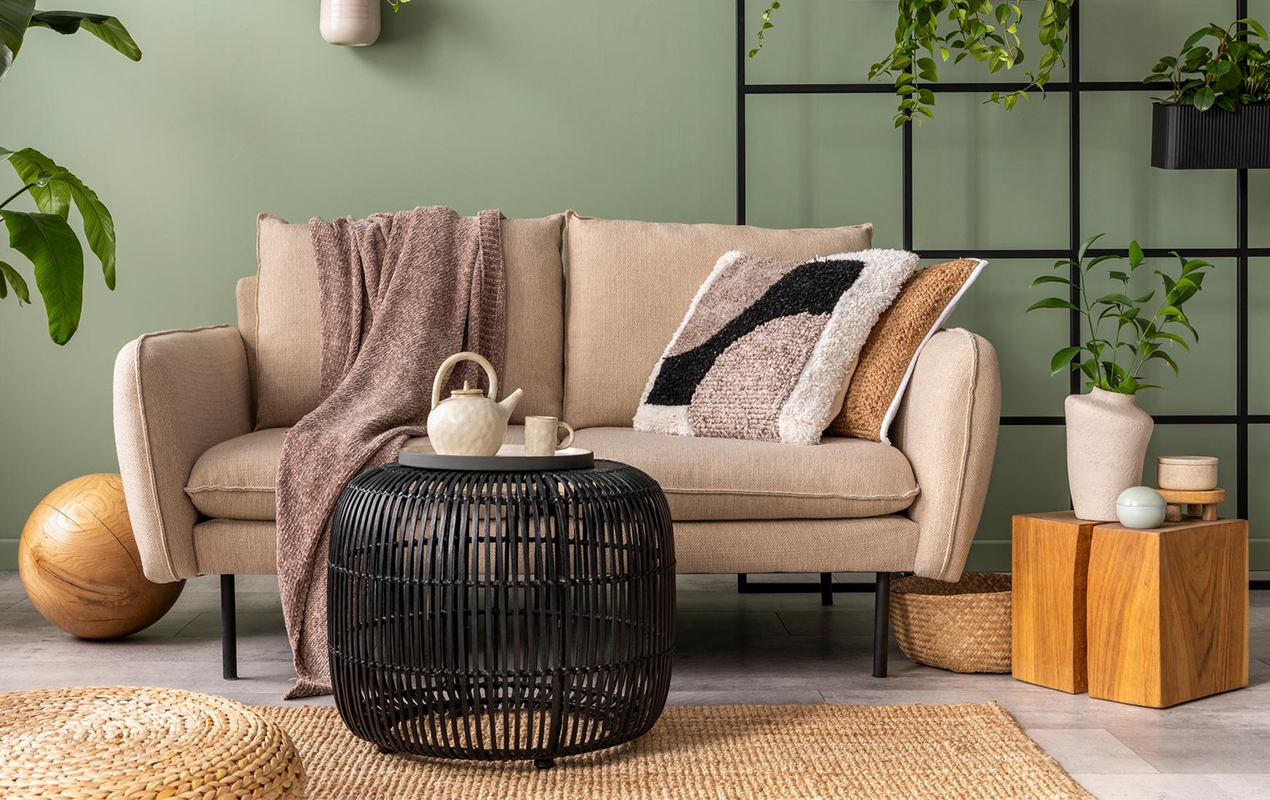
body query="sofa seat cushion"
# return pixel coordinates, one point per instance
(237, 479)
(730, 479)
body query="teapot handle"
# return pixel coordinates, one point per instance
(439, 382)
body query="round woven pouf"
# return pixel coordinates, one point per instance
(141, 744)
(501, 615)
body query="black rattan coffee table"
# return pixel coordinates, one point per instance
(501, 615)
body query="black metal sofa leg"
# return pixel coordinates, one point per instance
(881, 623)
(826, 588)
(228, 628)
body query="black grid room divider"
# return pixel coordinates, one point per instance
(1073, 87)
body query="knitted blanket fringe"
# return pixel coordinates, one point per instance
(399, 294)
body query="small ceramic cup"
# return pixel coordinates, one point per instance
(542, 436)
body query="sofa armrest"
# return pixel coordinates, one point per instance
(176, 394)
(947, 427)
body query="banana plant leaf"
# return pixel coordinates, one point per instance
(15, 16)
(54, 250)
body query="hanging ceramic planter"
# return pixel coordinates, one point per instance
(350, 22)
(1183, 137)
(1107, 438)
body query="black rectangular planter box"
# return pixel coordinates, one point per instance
(1183, 137)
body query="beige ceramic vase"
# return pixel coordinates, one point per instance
(1107, 438)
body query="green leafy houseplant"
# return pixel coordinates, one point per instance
(985, 30)
(45, 236)
(1232, 72)
(1139, 334)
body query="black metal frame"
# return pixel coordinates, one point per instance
(1073, 87)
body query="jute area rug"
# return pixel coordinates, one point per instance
(717, 752)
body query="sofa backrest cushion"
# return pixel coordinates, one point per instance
(630, 284)
(286, 374)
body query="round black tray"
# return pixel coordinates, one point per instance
(510, 458)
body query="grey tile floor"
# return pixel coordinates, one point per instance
(754, 648)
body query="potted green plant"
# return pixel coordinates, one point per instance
(45, 236)
(1217, 115)
(985, 30)
(1107, 434)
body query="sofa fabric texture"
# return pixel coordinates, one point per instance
(887, 360)
(629, 284)
(176, 394)
(287, 357)
(947, 427)
(704, 479)
(767, 346)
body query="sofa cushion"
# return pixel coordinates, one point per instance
(288, 347)
(767, 346)
(704, 479)
(890, 354)
(237, 479)
(722, 479)
(630, 284)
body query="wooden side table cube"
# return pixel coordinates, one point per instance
(1050, 563)
(1168, 611)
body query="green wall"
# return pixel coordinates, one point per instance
(615, 109)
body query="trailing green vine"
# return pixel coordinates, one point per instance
(930, 32)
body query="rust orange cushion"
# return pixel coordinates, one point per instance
(887, 360)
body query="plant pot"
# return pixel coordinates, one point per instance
(350, 22)
(1107, 438)
(1182, 137)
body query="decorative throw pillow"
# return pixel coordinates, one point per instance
(768, 345)
(887, 360)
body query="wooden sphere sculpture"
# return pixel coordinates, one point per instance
(80, 565)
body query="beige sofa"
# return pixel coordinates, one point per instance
(200, 414)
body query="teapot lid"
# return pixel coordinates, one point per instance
(467, 391)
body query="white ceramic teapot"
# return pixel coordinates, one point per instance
(467, 423)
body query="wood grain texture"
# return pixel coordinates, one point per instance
(1186, 496)
(80, 566)
(1168, 612)
(1050, 562)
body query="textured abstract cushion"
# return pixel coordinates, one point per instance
(886, 362)
(768, 345)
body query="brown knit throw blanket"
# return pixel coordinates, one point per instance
(400, 293)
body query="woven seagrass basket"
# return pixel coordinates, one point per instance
(962, 626)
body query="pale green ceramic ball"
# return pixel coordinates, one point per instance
(1140, 507)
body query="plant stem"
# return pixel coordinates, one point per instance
(1089, 319)
(13, 196)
